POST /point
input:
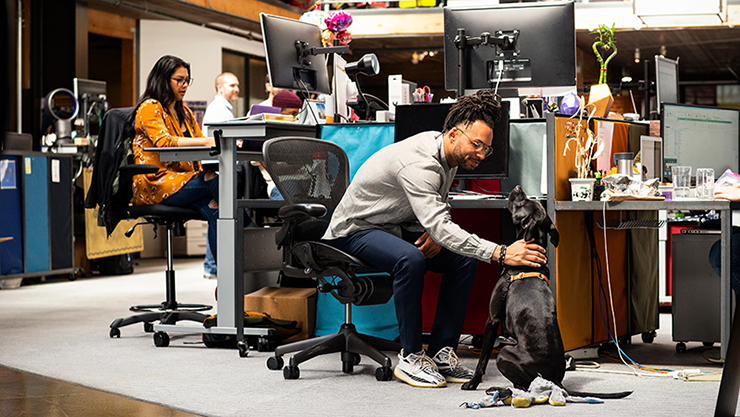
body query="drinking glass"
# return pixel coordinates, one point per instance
(705, 183)
(681, 181)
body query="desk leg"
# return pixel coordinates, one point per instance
(725, 289)
(730, 385)
(226, 236)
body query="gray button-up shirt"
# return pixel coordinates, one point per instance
(406, 184)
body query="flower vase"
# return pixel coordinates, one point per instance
(582, 189)
(600, 96)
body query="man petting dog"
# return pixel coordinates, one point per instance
(395, 217)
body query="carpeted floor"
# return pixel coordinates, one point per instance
(59, 329)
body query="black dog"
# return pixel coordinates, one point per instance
(523, 301)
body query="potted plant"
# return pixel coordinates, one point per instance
(587, 147)
(600, 95)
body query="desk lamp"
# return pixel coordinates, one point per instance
(364, 105)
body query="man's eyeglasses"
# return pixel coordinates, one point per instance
(181, 81)
(478, 145)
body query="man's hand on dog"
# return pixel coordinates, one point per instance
(428, 246)
(525, 253)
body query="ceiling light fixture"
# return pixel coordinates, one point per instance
(637, 55)
(677, 13)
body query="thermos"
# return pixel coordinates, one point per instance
(623, 161)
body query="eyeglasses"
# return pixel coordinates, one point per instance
(478, 145)
(181, 81)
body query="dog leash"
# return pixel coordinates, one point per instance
(523, 275)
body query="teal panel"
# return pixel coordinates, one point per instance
(359, 141)
(36, 213)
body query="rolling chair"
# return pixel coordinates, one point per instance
(111, 190)
(312, 175)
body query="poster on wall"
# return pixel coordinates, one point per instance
(199, 109)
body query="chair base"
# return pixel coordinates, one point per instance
(163, 316)
(347, 341)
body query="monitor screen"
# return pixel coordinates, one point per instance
(542, 54)
(666, 80)
(283, 39)
(700, 137)
(651, 157)
(416, 118)
(90, 90)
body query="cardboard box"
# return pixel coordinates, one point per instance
(297, 304)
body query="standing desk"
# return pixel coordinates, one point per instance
(230, 224)
(722, 206)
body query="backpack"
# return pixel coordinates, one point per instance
(284, 329)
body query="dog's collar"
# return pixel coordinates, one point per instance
(523, 275)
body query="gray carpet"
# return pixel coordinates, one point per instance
(59, 329)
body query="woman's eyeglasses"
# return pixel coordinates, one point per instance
(182, 81)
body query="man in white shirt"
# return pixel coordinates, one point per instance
(220, 109)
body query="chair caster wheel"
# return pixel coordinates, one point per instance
(274, 363)
(680, 347)
(263, 345)
(114, 332)
(243, 348)
(648, 337)
(383, 374)
(161, 339)
(148, 328)
(291, 372)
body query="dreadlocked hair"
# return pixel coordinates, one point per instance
(484, 105)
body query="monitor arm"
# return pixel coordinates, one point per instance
(504, 41)
(305, 51)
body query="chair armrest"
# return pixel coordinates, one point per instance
(295, 211)
(127, 172)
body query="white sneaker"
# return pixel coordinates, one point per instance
(418, 370)
(449, 366)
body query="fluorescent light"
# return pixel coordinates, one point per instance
(662, 13)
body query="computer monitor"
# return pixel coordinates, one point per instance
(291, 63)
(416, 118)
(700, 137)
(535, 44)
(93, 98)
(651, 157)
(666, 80)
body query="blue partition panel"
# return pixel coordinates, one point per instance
(359, 140)
(11, 251)
(36, 213)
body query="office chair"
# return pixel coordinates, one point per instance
(312, 175)
(114, 160)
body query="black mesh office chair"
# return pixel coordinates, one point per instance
(312, 175)
(111, 190)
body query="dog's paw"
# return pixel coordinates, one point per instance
(470, 385)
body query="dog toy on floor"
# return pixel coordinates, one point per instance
(540, 391)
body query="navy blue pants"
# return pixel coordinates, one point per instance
(407, 264)
(715, 259)
(197, 194)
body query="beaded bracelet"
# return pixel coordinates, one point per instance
(501, 254)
